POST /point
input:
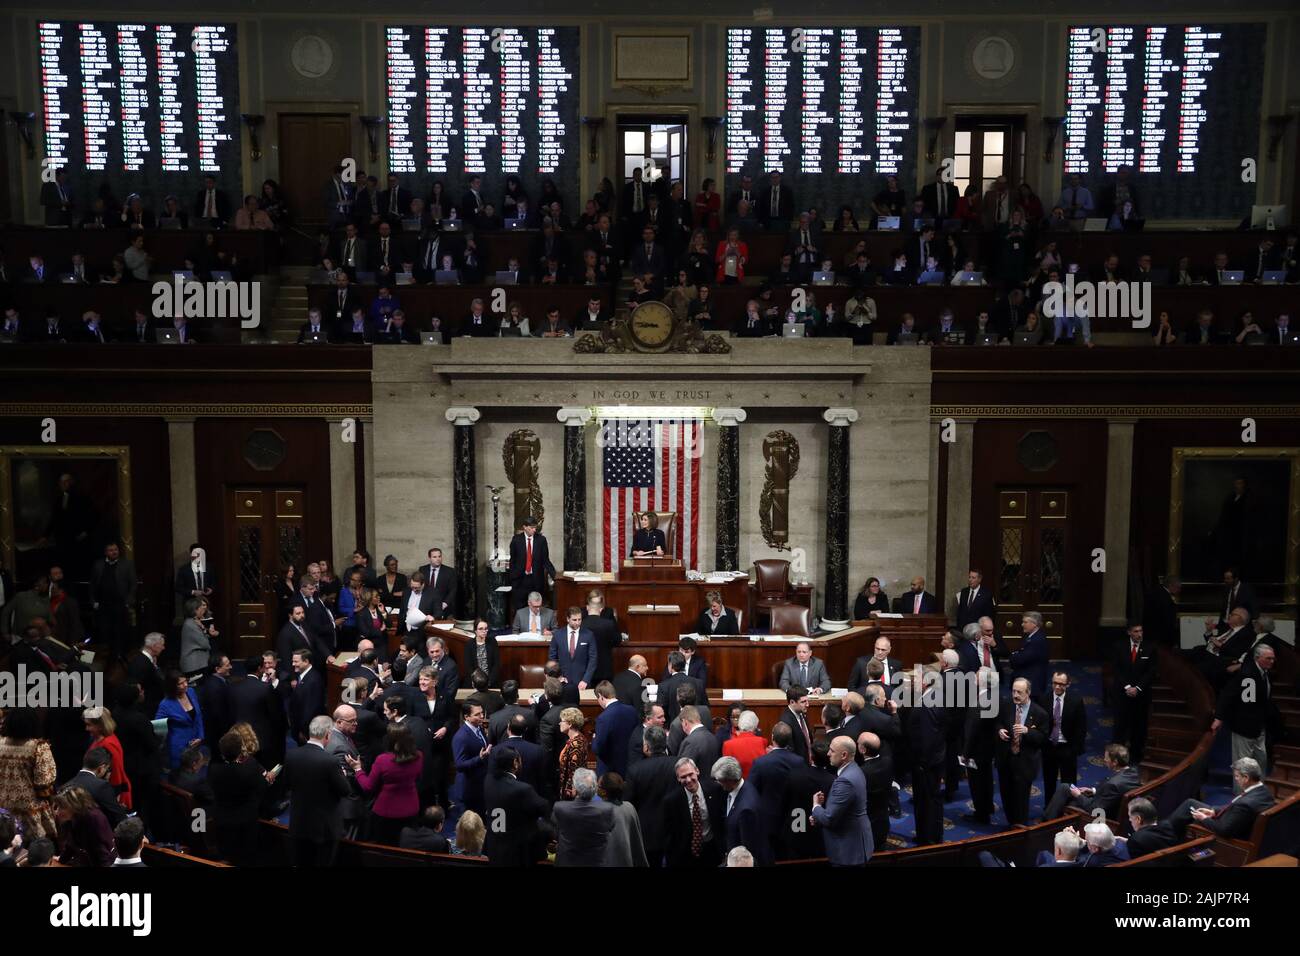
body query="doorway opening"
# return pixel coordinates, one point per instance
(657, 146)
(986, 146)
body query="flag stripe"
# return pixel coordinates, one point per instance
(671, 482)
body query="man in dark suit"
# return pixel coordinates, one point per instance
(648, 256)
(769, 775)
(442, 583)
(574, 648)
(470, 751)
(926, 726)
(652, 715)
(634, 199)
(1107, 796)
(742, 820)
(775, 207)
(472, 202)
(892, 671)
(940, 197)
(211, 205)
(917, 601)
(1134, 669)
(1031, 661)
(515, 808)
(1020, 735)
(694, 665)
(1066, 733)
(613, 726)
(694, 820)
(93, 778)
(214, 701)
(1148, 835)
(56, 198)
(1247, 707)
(317, 619)
(499, 722)
(878, 769)
(698, 740)
(255, 702)
(975, 601)
(308, 697)
(143, 669)
(194, 579)
(606, 636)
(112, 594)
(294, 636)
(394, 202)
(530, 563)
(1236, 592)
(628, 682)
(795, 716)
(842, 813)
(1160, 613)
(316, 784)
(649, 785)
(385, 255)
(530, 753)
(1234, 819)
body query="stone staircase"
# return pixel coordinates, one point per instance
(289, 310)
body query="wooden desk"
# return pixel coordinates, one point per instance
(733, 661)
(621, 592)
(654, 624)
(914, 637)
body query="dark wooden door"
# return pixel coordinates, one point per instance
(1034, 562)
(311, 145)
(266, 530)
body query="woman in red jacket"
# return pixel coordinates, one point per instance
(103, 733)
(731, 256)
(395, 775)
(707, 206)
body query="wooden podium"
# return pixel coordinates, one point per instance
(657, 582)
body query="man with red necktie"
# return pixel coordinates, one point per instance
(530, 563)
(1135, 672)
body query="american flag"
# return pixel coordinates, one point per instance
(650, 465)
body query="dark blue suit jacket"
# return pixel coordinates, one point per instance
(768, 775)
(1031, 662)
(582, 665)
(745, 824)
(530, 756)
(968, 657)
(613, 729)
(465, 747)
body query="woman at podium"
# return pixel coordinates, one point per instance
(648, 541)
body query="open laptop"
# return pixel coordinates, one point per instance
(986, 338)
(431, 338)
(166, 337)
(186, 274)
(793, 330)
(222, 275)
(890, 223)
(513, 224)
(930, 278)
(506, 277)
(955, 337)
(1291, 338)
(510, 332)
(316, 338)
(1232, 277)
(823, 278)
(1260, 216)
(969, 278)
(1272, 277)
(7, 338)
(169, 222)
(907, 338)
(1255, 338)
(410, 225)
(450, 225)
(446, 277)
(1024, 338)
(405, 278)
(1094, 225)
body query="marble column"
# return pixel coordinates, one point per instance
(1119, 485)
(957, 543)
(727, 527)
(184, 482)
(575, 420)
(343, 490)
(465, 507)
(835, 613)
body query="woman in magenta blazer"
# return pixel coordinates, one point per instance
(395, 776)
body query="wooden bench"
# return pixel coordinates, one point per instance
(1276, 830)
(160, 856)
(1183, 854)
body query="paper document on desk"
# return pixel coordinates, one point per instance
(732, 694)
(717, 579)
(886, 614)
(837, 692)
(444, 625)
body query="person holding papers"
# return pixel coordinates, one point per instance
(534, 619)
(649, 540)
(417, 606)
